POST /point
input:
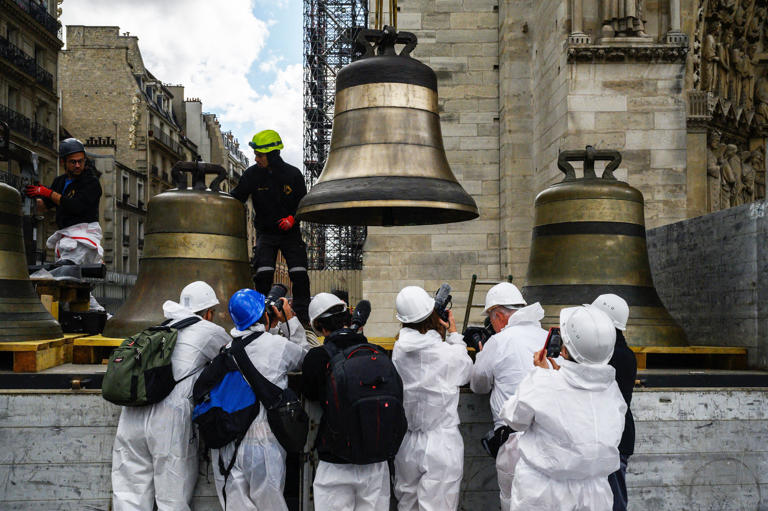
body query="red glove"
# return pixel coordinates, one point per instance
(38, 191)
(285, 224)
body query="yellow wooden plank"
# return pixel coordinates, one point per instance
(31, 345)
(98, 340)
(690, 350)
(30, 362)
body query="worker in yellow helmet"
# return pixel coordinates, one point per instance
(275, 189)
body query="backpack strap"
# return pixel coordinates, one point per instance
(166, 325)
(184, 323)
(267, 392)
(226, 470)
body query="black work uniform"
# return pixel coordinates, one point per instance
(275, 192)
(79, 200)
(625, 363)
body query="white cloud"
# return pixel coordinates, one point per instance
(209, 47)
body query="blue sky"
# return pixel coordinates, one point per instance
(242, 58)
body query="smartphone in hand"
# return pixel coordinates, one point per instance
(554, 342)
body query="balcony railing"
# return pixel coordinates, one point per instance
(126, 196)
(25, 63)
(11, 179)
(16, 121)
(43, 135)
(40, 14)
(165, 139)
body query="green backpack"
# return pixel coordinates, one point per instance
(139, 371)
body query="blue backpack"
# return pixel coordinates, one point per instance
(225, 404)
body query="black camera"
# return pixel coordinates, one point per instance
(443, 301)
(474, 335)
(360, 316)
(273, 297)
(554, 342)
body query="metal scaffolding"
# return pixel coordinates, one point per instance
(330, 28)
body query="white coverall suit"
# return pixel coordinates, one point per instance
(571, 422)
(430, 462)
(506, 358)
(258, 475)
(154, 458)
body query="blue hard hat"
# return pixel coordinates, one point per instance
(246, 307)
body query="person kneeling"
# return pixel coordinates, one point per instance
(571, 420)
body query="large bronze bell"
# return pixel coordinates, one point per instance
(192, 234)
(589, 239)
(387, 164)
(22, 315)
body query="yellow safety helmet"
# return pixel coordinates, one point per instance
(266, 141)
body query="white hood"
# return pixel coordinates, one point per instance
(595, 377)
(533, 313)
(173, 310)
(256, 327)
(411, 340)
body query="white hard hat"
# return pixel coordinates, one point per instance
(588, 333)
(616, 308)
(321, 303)
(198, 296)
(504, 293)
(413, 304)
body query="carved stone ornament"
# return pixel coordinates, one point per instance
(669, 53)
(730, 58)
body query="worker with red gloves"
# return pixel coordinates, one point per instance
(75, 194)
(275, 189)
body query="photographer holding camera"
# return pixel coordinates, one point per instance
(570, 418)
(281, 319)
(430, 463)
(501, 364)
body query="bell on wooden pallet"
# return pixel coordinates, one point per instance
(588, 240)
(387, 164)
(22, 315)
(192, 234)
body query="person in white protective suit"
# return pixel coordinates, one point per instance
(571, 417)
(502, 363)
(155, 455)
(430, 462)
(258, 474)
(338, 485)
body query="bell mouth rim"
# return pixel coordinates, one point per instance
(465, 212)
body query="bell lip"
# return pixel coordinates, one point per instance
(456, 212)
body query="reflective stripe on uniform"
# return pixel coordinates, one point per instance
(261, 269)
(297, 268)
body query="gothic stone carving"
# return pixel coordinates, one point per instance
(730, 53)
(623, 18)
(735, 176)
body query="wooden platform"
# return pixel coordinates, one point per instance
(35, 356)
(700, 357)
(94, 349)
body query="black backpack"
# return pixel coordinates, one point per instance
(364, 415)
